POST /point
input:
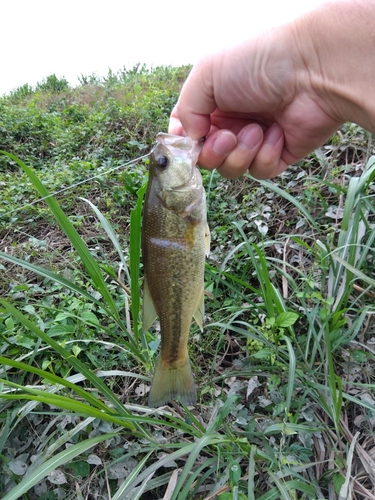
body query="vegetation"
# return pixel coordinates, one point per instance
(285, 365)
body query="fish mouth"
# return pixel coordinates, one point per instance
(175, 141)
(180, 143)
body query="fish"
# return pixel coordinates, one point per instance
(175, 242)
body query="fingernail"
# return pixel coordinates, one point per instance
(224, 143)
(273, 134)
(250, 137)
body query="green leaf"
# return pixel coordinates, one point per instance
(290, 429)
(80, 468)
(262, 353)
(286, 319)
(89, 317)
(338, 481)
(234, 473)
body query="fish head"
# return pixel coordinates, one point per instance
(173, 174)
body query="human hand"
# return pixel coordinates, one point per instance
(259, 105)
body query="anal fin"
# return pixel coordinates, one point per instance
(199, 311)
(207, 240)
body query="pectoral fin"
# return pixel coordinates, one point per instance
(199, 311)
(149, 314)
(207, 240)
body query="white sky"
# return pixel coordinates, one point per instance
(74, 37)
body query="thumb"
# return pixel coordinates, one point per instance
(197, 101)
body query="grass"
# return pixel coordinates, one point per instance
(284, 366)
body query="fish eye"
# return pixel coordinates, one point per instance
(162, 161)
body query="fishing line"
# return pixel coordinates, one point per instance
(81, 182)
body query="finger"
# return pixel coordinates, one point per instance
(196, 101)
(268, 161)
(231, 155)
(175, 126)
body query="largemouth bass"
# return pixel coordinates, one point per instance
(175, 239)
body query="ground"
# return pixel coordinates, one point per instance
(284, 367)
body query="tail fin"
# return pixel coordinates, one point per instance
(169, 383)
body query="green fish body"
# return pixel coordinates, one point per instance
(175, 240)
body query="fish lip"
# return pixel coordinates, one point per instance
(175, 141)
(180, 143)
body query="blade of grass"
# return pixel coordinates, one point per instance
(111, 234)
(135, 257)
(53, 463)
(68, 403)
(198, 446)
(133, 475)
(55, 379)
(261, 271)
(186, 449)
(67, 356)
(359, 274)
(290, 198)
(250, 481)
(88, 260)
(47, 452)
(45, 273)
(64, 402)
(137, 494)
(355, 188)
(345, 490)
(291, 429)
(5, 429)
(270, 294)
(194, 481)
(132, 481)
(242, 331)
(283, 492)
(291, 372)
